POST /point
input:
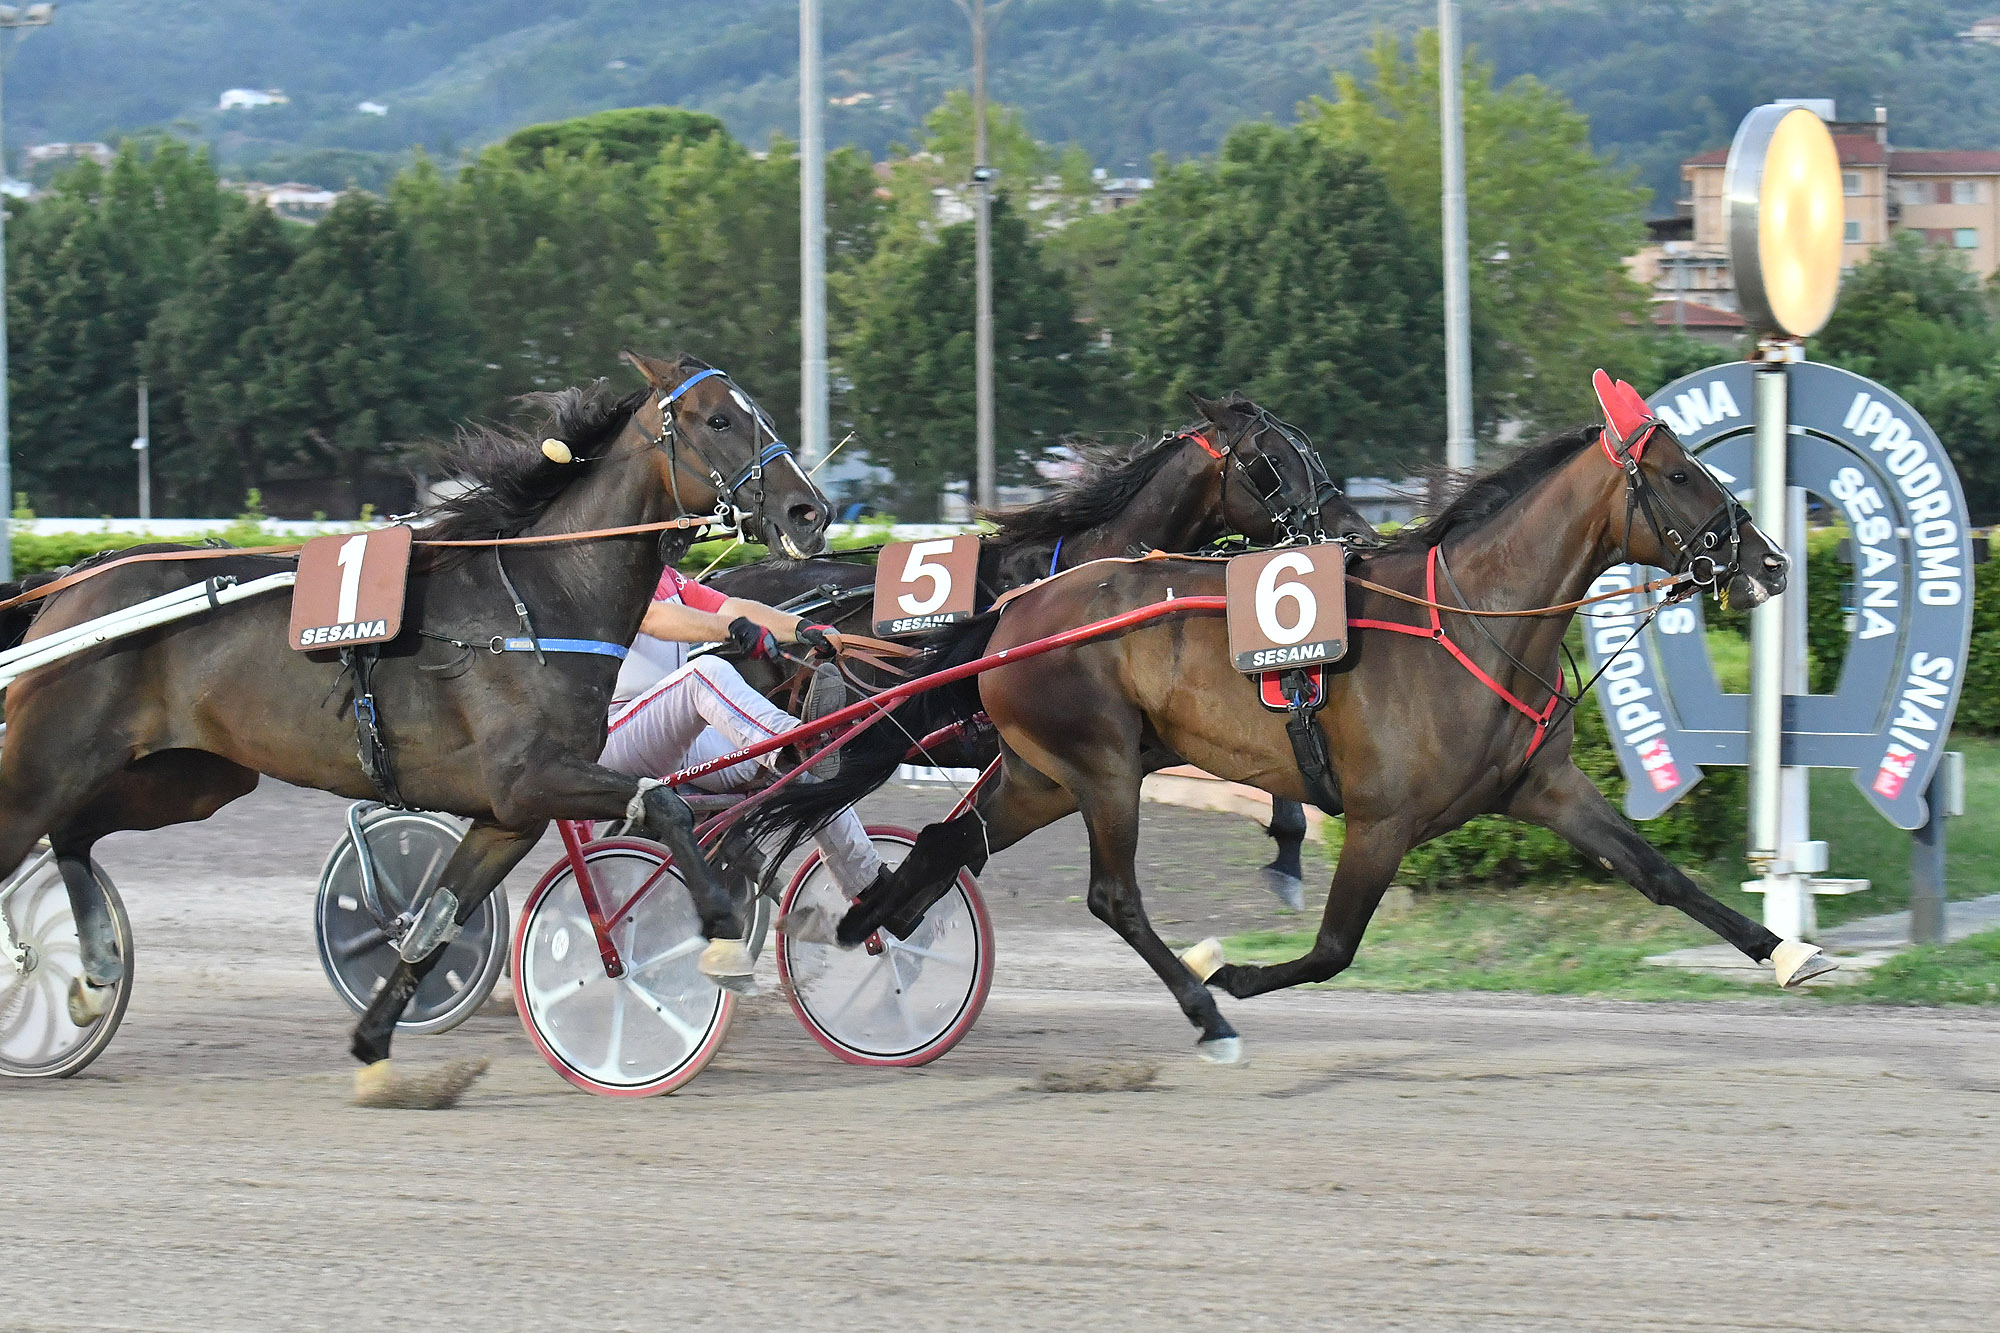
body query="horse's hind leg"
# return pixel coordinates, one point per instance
(172, 787)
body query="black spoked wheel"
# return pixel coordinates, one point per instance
(409, 848)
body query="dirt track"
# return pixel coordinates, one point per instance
(1385, 1161)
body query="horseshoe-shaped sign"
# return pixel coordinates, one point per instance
(1868, 456)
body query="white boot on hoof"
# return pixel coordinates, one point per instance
(1222, 1051)
(87, 1003)
(1795, 961)
(729, 965)
(1204, 959)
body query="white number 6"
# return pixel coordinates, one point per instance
(920, 567)
(1270, 593)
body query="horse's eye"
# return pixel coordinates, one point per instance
(1678, 478)
(718, 422)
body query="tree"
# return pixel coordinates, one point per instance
(1911, 307)
(211, 356)
(364, 356)
(723, 278)
(90, 266)
(909, 360)
(631, 136)
(1549, 224)
(1285, 270)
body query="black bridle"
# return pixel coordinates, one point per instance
(1261, 476)
(729, 512)
(1697, 555)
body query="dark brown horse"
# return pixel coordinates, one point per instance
(172, 724)
(1237, 471)
(1418, 743)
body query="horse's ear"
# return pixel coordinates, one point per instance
(1622, 406)
(660, 374)
(1219, 412)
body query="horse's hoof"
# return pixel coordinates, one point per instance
(810, 924)
(1222, 1051)
(727, 963)
(1290, 889)
(1795, 962)
(1204, 958)
(377, 1086)
(87, 1003)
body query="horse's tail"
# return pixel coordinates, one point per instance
(804, 808)
(14, 621)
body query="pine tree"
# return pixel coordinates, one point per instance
(1285, 271)
(909, 359)
(211, 358)
(365, 359)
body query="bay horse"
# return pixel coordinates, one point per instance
(1239, 470)
(170, 725)
(1418, 742)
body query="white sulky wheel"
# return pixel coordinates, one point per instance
(890, 1002)
(647, 1031)
(37, 1038)
(410, 848)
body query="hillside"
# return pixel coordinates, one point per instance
(1125, 78)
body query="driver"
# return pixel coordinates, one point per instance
(669, 713)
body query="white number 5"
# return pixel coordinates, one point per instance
(920, 566)
(1270, 592)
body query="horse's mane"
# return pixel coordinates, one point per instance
(1112, 476)
(1492, 490)
(511, 481)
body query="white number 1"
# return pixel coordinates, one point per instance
(349, 560)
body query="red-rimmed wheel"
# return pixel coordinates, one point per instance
(645, 1032)
(891, 1002)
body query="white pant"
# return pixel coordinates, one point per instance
(703, 711)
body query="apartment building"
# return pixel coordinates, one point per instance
(1950, 196)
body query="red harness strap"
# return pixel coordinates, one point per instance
(1436, 633)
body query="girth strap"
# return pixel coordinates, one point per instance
(1308, 741)
(370, 748)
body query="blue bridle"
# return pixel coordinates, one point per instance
(725, 489)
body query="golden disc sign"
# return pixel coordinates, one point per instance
(1786, 217)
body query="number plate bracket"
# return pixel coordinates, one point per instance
(1287, 608)
(350, 589)
(921, 585)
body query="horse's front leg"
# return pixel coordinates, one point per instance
(1564, 801)
(1368, 862)
(573, 789)
(482, 860)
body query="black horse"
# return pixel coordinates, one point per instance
(170, 725)
(1238, 470)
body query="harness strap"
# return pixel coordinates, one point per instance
(1540, 717)
(1308, 741)
(370, 748)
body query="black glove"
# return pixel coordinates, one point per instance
(755, 641)
(815, 638)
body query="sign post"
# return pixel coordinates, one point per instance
(1784, 214)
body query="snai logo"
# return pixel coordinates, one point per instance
(1659, 764)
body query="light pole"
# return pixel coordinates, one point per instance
(985, 493)
(1457, 264)
(812, 240)
(142, 445)
(11, 17)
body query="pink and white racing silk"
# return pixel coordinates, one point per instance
(652, 660)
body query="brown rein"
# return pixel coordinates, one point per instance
(75, 577)
(1671, 581)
